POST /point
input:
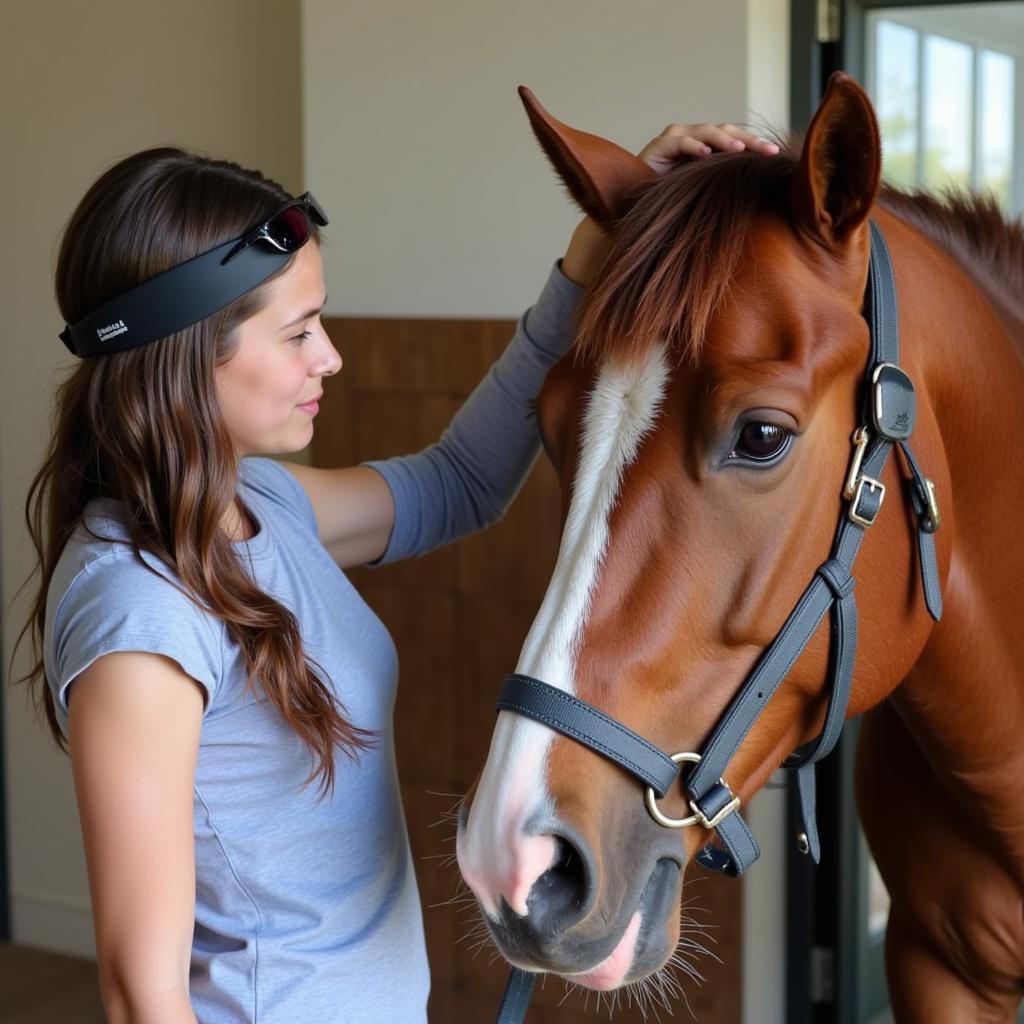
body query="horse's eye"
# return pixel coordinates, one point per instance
(761, 442)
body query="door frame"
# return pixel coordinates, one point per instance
(5, 881)
(827, 36)
(832, 976)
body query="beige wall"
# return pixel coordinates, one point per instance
(81, 84)
(416, 142)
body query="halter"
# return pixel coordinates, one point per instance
(888, 418)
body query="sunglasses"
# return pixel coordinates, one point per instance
(286, 229)
(198, 288)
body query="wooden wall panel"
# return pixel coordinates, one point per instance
(459, 616)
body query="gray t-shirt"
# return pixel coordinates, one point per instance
(306, 906)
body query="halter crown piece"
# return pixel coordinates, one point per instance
(889, 414)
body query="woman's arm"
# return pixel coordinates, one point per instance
(354, 506)
(134, 721)
(410, 504)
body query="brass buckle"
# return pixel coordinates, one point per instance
(875, 485)
(856, 480)
(698, 817)
(732, 805)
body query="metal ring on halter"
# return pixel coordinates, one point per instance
(651, 800)
(698, 817)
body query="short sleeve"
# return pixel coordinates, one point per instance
(276, 484)
(115, 603)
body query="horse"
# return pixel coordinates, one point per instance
(701, 433)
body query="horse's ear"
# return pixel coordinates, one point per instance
(601, 176)
(841, 163)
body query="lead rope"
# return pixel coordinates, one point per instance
(890, 408)
(517, 996)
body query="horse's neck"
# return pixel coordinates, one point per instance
(964, 699)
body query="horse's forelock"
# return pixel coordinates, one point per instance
(676, 252)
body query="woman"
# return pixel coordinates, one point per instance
(225, 694)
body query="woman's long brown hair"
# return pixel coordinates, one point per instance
(143, 427)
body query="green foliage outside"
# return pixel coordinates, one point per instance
(900, 163)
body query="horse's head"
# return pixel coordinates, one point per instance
(701, 432)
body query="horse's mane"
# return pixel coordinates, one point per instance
(676, 251)
(975, 231)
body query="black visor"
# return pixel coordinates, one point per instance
(198, 288)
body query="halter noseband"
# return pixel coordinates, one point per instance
(889, 415)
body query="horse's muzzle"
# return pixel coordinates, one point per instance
(565, 931)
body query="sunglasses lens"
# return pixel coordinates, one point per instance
(289, 230)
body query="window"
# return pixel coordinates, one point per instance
(946, 105)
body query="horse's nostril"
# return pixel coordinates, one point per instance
(559, 896)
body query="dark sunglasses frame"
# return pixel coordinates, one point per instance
(272, 229)
(198, 288)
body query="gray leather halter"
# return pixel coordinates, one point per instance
(889, 414)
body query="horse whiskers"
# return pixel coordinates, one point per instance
(613, 1001)
(664, 988)
(475, 930)
(461, 898)
(647, 997)
(687, 935)
(692, 924)
(680, 962)
(446, 818)
(654, 995)
(695, 949)
(445, 839)
(692, 905)
(475, 940)
(443, 817)
(570, 987)
(651, 994)
(452, 814)
(458, 898)
(442, 860)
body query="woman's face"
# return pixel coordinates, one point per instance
(268, 389)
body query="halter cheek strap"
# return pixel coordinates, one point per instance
(888, 421)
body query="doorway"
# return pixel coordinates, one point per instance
(947, 82)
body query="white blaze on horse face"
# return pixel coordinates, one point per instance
(496, 856)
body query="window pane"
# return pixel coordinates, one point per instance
(896, 78)
(948, 108)
(996, 104)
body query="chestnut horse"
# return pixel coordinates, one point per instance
(701, 433)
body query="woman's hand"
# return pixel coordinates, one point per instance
(681, 141)
(589, 244)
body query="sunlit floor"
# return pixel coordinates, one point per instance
(38, 987)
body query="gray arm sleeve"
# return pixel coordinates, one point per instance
(467, 479)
